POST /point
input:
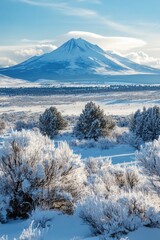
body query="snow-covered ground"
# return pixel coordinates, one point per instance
(114, 103)
(119, 154)
(10, 82)
(71, 227)
(64, 227)
(145, 234)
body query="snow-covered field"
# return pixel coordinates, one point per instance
(64, 227)
(113, 103)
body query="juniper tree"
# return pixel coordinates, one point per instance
(146, 124)
(51, 121)
(93, 123)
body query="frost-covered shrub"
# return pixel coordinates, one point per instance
(35, 173)
(149, 158)
(32, 233)
(101, 143)
(93, 123)
(118, 200)
(100, 180)
(106, 143)
(41, 218)
(19, 120)
(26, 166)
(51, 121)
(4, 205)
(118, 136)
(119, 214)
(127, 177)
(99, 166)
(4, 238)
(105, 179)
(70, 177)
(146, 124)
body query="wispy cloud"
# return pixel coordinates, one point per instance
(67, 9)
(62, 7)
(90, 1)
(34, 41)
(107, 43)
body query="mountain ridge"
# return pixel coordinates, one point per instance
(76, 59)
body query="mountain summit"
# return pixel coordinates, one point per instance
(78, 45)
(76, 59)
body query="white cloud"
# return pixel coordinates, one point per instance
(90, 1)
(35, 51)
(34, 41)
(107, 43)
(143, 58)
(86, 13)
(62, 7)
(6, 62)
(11, 55)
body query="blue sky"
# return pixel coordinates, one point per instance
(29, 24)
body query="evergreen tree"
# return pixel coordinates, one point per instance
(51, 121)
(146, 124)
(93, 123)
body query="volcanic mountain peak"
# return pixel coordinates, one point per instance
(72, 49)
(80, 44)
(76, 58)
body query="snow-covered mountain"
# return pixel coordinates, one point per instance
(76, 59)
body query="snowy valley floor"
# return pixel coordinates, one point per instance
(70, 228)
(114, 103)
